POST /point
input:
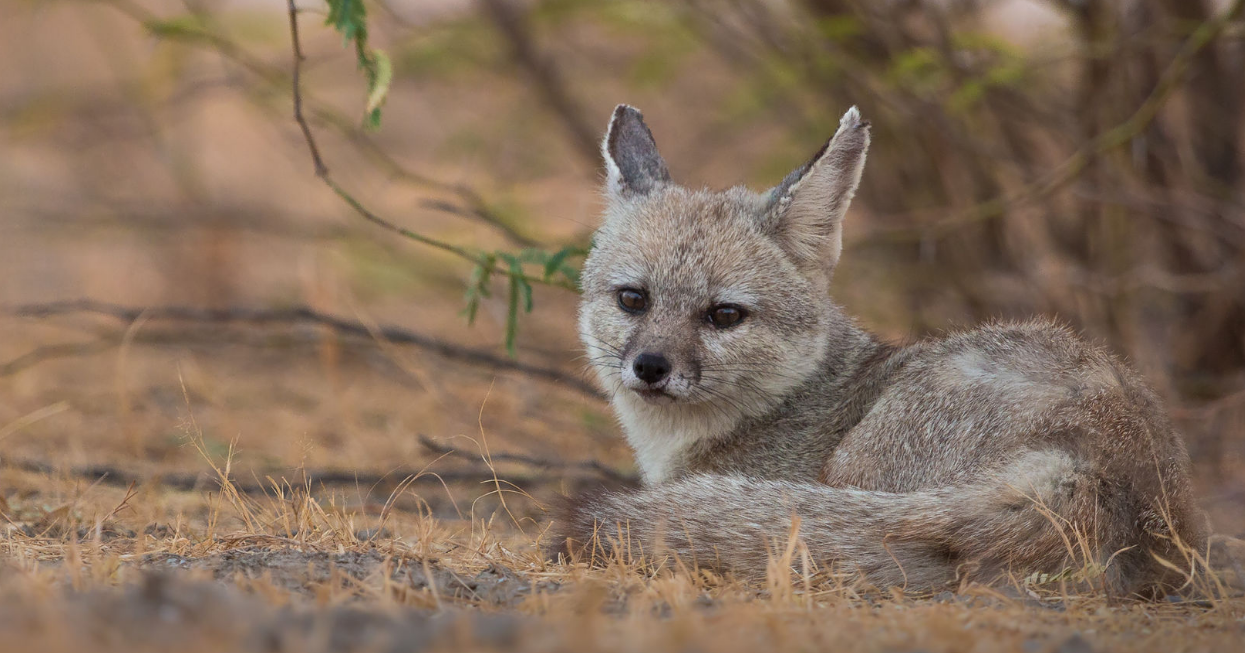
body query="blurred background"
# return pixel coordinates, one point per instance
(1075, 158)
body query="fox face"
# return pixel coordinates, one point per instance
(712, 303)
(686, 301)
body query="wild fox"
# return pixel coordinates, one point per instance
(751, 399)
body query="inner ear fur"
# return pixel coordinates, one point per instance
(633, 165)
(805, 212)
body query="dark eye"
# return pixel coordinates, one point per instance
(632, 300)
(725, 316)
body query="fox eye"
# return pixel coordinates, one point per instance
(632, 300)
(725, 316)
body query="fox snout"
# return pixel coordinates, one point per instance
(658, 377)
(651, 368)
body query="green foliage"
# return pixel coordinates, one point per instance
(556, 263)
(653, 69)
(478, 286)
(839, 27)
(555, 268)
(920, 70)
(557, 11)
(519, 287)
(999, 63)
(349, 18)
(247, 26)
(984, 62)
(775, 79)
(660, 31)
(188, 26)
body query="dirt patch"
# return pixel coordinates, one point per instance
(304, 572)
(164, 613)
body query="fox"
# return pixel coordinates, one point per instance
(757, 408)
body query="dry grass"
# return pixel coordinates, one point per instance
(412, 564)
(286, 571)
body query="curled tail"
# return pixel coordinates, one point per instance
(1043, 513)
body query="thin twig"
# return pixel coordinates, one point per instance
(546, 76)
(480, 213)
(349, 128)
(322, 170)
(290, 315)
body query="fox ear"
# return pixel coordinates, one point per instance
(805, 212)
(633, 166)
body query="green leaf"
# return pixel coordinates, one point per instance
(533, 255)
(525, 287)
(520, 289)
(185, 26)
(378, 87)
(516, 274)
(477, 286)
(512, 317)
(555, 262)
(349, 18)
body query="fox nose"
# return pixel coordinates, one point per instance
(651, 368)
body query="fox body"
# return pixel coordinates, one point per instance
(751, 399)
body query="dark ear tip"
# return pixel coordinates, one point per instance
(626, 110)
(623, 118)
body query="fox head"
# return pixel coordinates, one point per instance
(713, 301)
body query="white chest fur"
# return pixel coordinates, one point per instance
(661, 435)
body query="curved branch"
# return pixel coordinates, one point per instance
(476, 207)
(479, 259)
(291, 315)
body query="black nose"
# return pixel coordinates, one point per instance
(651, 368)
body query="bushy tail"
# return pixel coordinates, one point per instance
(1037, 515)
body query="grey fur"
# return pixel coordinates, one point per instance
(957, 458)
(633, 165)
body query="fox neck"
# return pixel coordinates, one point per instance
(662, 435)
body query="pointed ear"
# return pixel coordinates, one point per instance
(805, 212)
(632, 165)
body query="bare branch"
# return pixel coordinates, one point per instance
(322, 171)
(291, 315)
(546, 76)
(347, 127)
